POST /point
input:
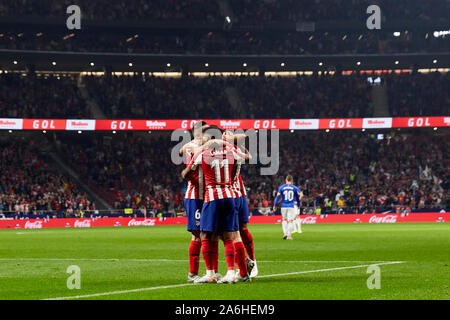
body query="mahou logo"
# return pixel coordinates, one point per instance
(146, 222)
(33, 225)
(155, 124)
(308, 220)
(386, 219)
(229, 124)
(82, 224)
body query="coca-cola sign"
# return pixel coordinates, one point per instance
(33, 224)
(146, 222)
(390, 218)
(308, 220)
(82, 224)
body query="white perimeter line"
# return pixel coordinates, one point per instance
(190, 284)
(177, 260)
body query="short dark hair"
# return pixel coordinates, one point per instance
(289, 178)
(214, 127)
(198, 125)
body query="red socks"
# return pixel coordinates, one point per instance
(240, 258)
(194, 256)
(247, 239)
(229, 253)
(207, 253)
(215, 255)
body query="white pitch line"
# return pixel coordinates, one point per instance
(190, 284)
(329, 269)
(180, 260)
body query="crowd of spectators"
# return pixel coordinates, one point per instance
(30, 186)
(339, 171)
(356, 172)
(262, 97)
(128, 171)
(149, 97)
(157, 97)
(117, 10)
(238, 42)
(32, 96)
(306, 96)
(243, 11)
(257, 12)
(419, 94)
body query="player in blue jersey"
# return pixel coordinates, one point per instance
(290, 198)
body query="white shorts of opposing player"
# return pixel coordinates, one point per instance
(288, 215)
(297, 222)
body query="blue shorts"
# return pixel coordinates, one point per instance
(219, 216)
(193, 212)
(242, 208)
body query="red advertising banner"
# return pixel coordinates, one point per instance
(419, 122)
(351, 123)
(171, 124)
(306, 219)
(44, 124)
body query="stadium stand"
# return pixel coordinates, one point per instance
(45, 97)
(29, 185)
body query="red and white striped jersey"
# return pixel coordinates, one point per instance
(217, 165)
(196, 181)
(238, 183)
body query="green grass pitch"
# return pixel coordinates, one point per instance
(326, 261)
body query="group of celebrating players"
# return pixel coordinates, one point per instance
(216, 205)
(217, 208)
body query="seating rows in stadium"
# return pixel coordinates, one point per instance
(30, 185)
(216, 42)
(244, 12)
(193, 97)
(351, 171)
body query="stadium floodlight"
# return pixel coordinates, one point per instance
(396, 34)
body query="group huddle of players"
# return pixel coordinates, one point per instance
(216, 205)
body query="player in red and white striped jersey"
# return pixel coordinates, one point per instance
(244, 238)
(193, 199)
(218, 213)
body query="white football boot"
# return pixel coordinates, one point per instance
(229, 277)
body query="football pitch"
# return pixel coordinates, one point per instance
(326, 261)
